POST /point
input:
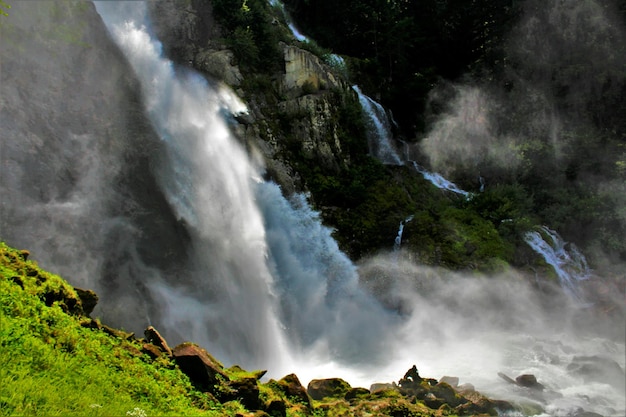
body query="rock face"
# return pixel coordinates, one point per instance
(305, 97)
(302, 68)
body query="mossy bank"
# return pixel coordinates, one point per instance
(56, 360)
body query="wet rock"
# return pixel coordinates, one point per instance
(447, 395)
(276, 408)
(582, 413)
(465, 388)
(381, 386)
(328, 388)
(529, 381)
(201, 368)
(244, 390)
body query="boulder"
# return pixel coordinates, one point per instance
(328, 388)
(276, 408)
(201, 368)
(291, 386)
(244, 390)
(151, 350)
(446, 394)
(154, 337)
(381, 386)
(529, 381)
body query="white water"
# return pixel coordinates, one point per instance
(378, 130)
(270, 289)
(210, 183)
(398, 241)
(568, 262)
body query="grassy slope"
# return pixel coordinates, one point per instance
(51, 365)
(55, 360)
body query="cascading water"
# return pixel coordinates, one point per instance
(263, 267)
(210, 182)
(398, 242)
(378, 130)
(569, 264)
(380, 136)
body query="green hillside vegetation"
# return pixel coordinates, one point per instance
(57, 361)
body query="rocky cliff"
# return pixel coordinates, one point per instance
(294, 106)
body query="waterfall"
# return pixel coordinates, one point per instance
(398, 242)
(264, 269)
(379, 137)
(210, 183)
(378, 130)
(568, 262)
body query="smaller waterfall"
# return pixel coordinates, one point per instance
(569, 264)
(379, 130)
(294, 30)
(439, 181)
(398, 241)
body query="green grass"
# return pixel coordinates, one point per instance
(56, 361)
(51, 365)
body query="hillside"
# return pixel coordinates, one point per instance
(56, 360)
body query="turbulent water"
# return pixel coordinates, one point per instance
(262, 283)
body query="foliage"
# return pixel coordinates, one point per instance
(250, 33)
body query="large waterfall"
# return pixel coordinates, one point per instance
(264, 268)
(252, 276)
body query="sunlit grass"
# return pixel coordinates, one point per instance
(51, 365)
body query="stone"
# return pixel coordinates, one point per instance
(219, 64)
(448, 395)
(292, 388)
(529, 381)
(381, 386)
(244, 390)
(154, 337)
(201, 368)
(328, 388)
